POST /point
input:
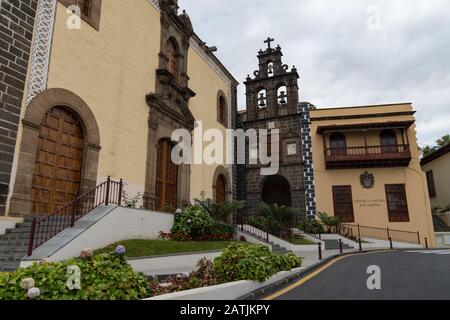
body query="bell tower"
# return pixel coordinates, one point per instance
(273, 103)
(273, 90)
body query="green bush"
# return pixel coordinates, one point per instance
(194, 221)
(222, 229)
(257, 263)
(103, 277)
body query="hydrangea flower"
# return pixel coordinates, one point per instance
(179, 276)
(185, 275)
(165, 285)
(178, 211)
(27, 283)
(86, 253)
(45, 261)
(120, 250)
(33, 293)
(189, 221)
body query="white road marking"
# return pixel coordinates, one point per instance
(440, 252)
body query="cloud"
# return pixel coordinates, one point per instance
(347, 52)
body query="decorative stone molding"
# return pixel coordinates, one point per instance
(21, 201)
(40, 52)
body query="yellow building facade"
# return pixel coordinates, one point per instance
(367, 168)
(104, 93)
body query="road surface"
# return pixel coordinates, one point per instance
(404, 275)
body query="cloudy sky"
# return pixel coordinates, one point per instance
(348, 52)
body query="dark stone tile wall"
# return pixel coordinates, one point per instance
(250, 181)
(16, 32)
(310, 191)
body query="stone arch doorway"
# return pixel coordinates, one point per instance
(276, 189)
(221, 185)
(58, 164)
(76, 114)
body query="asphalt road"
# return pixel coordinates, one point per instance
(403, 275)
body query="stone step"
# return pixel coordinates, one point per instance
(9, 266)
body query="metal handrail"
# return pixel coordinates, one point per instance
(358, 231)
(42, 230)
(244, 223)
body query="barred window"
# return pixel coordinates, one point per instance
(397, 203)
(343, 203)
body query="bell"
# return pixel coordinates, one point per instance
(282, 98)
(262, 102)
(270, 70)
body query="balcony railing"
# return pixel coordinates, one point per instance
(368, 156)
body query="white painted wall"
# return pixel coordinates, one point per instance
(443, 239)
(227, 291)
(170, 264)
(8, 223)
(117, 225)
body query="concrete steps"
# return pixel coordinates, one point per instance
(14, 245)
(334, 245)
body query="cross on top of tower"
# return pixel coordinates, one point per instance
(269, 40)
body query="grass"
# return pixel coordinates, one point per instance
(149, 248)
(300, 241)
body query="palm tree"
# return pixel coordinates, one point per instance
(220, 211)
(280, 218)
(329, 221)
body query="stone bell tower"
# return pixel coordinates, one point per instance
(273, 103)
(274, 89)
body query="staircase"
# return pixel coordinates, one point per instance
(439, 225)
(278, 249)
(334, 245)
(13, 246)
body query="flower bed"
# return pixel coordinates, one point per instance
(90, 277)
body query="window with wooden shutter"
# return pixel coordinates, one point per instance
(431, 184)
(397, 203)
(166, 178)
(89, 9)
(343, 203)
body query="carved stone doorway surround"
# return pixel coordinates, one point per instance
(21, 202)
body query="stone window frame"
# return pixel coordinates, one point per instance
(21, 201)
(94, 13)
(221, 95)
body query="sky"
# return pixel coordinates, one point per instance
(348, 52)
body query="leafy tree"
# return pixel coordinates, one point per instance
(445, 140)
(442, 142)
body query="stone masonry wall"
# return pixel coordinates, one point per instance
(16, 33)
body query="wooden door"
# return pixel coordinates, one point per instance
(166, 178)
(57, 172)
(221, 190)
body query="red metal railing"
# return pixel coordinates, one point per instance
(357, 232)
(42, 230)
(382, 152)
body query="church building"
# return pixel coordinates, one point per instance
(105, 89)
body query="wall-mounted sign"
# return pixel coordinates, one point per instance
(367, 180)
(292, 149)
(370, 203)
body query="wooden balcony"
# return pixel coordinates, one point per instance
(368, 157)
